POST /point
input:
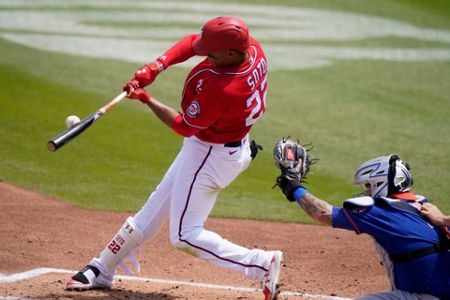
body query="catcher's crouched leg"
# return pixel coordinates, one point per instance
(99, 273)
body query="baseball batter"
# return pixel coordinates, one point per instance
(223, 96)
(414, 251)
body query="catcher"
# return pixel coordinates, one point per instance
(414, 252)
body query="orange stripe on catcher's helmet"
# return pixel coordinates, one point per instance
(405, 195)
(222, 33)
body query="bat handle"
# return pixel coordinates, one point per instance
(113, 102)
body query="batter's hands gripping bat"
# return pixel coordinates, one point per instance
(71, 133)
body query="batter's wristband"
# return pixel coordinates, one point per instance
(299, 194)
(160, 65)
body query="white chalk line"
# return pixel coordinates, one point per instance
(41, 271)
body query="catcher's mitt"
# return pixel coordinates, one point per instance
(294, 162)
(292, 158)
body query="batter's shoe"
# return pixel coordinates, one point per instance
(89, 278)
(269, 283)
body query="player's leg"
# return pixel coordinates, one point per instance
(100, 271)
(155, 211)
(205, 171)
(258, 264)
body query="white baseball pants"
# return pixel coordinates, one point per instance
(187, 194)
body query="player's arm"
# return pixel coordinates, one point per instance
(165, 113)
(434, 214)
(294, 162)
(178, 53)
(318, 209)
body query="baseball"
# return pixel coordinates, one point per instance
(71, 121)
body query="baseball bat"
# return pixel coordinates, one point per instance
(74, 131)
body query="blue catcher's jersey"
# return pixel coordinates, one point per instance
(398, 231)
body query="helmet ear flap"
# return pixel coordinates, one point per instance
(391, 174)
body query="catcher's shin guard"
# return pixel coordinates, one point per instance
(122, 246)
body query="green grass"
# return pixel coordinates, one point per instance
(109, 166)
(364, 110)
(351, 111)
(432, 13)
(143, 24)
(385, 42)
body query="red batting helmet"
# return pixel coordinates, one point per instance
(222, 33)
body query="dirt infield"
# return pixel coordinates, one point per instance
(37, 231)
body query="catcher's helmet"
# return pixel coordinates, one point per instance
(384, 176)
(222, 33)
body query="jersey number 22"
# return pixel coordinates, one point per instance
(259, 96)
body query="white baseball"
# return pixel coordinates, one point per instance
(71, 121)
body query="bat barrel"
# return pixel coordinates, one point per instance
(71, 133)
(63, 138)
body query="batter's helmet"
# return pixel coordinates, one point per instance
(222, 33)
(384, 176)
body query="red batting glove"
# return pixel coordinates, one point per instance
(140, 94)
(130, 86)
(147, 73)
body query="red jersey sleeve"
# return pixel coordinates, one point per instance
(180, 127)
(179, 52)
